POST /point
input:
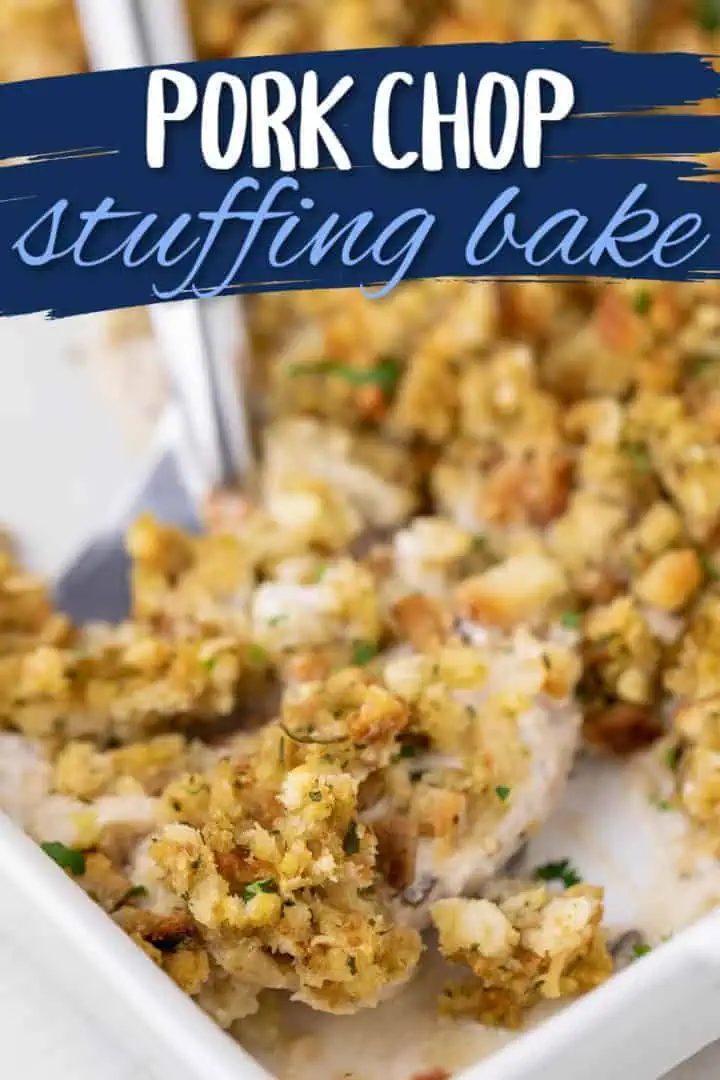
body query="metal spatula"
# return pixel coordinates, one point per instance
(203, 440)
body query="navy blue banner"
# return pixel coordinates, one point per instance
(359, 168)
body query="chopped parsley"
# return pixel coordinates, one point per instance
(351, 840)
(408, 751)
(264, 885)
(209, 663)
(570, 619)
(642, 303)
(276, 620)
(136, 892)
(700, 364)
(257, 654)
(708, 14)
(563, 870)
(639, 455)
(710, 571)
(502, 792)
(672, 757)
(660, 804)
(363, 653)
(316, 796)
(641, 950)
(67, 858)
(385, 374)
(320, 573)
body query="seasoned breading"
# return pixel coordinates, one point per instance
(122, 682)
(287, 900)
(370, 781)
(84, 772)
(26, 614)
(694, 757)
(527, 947)
(181, 581)
(520, 590)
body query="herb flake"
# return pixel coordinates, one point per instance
(502, 792)
(257, 654)
(698, 365)
(641, 949)
(351, 840)
(385, 374)
(363, 652)
(672, 757)
(570, 620)
(264, 885)
(137, 891)
(710, 571)
(65, 857)
(639, 455)
(642, 302)
(562, 870)
(707, 13)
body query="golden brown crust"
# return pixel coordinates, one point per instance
(422, 621)
(622, 728)
(527, 947)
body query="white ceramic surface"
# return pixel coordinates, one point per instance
(45, 1035)
(64, 452)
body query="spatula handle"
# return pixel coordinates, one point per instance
(202, 343)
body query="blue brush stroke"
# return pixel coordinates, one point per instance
(89, 131)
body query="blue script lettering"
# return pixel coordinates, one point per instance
(197, 244)
(219, 218)
(666, 240)
(629, 224)
(332, 234)
(52, 217)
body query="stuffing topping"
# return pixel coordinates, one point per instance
(528, 947)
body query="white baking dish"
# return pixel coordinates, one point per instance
(646, 1020)
(643, 1022)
